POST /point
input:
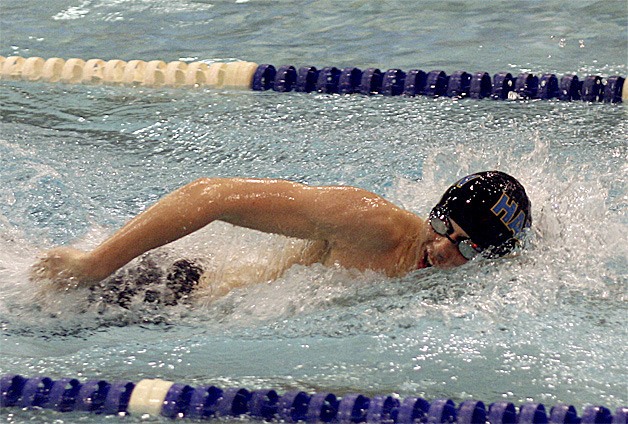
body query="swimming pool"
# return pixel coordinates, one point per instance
(79, 160)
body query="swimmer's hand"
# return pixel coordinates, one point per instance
(64, 267)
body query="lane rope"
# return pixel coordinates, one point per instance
(156, 397)
(331, 80)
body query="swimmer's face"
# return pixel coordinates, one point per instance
(441, 252)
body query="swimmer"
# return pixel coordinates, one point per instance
(482, 215)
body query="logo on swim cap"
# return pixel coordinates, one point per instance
(505, 209)
(492, 207)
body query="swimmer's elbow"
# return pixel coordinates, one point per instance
(204, 183)
(209, 199)
(204, 189)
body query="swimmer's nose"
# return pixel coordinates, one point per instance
(444, 253)
(442, 244)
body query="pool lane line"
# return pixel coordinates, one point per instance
(331, 80)
(157, 397)
(154, 73)
(460, 84)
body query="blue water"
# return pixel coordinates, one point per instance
(79, 161)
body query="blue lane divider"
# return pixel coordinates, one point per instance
(460, 84)
(415, 81)
(176, 401)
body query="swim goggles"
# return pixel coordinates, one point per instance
(442, 226)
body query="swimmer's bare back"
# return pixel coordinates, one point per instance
(360, 229)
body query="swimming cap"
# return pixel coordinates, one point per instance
(491, 207)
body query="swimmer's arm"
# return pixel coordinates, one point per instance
(331, 213)
(274, 206)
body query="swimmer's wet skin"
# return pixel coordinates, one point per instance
(484, 214)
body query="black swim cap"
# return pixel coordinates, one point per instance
(491, 207)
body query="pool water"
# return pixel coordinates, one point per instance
(78, 161)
